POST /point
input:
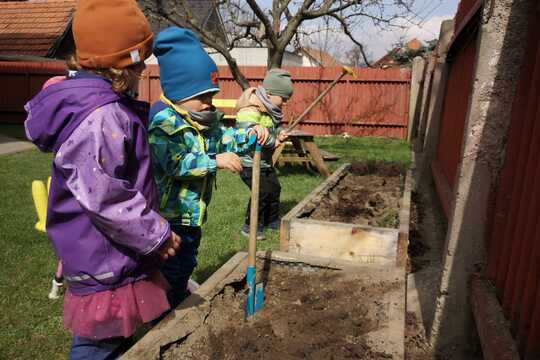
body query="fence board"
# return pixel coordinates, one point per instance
(458, 88)
(375, 103)
(514, 234)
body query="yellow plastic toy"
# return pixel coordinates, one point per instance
(40, 193)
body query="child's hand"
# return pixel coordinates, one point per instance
(229, 161)
(262, 133)
(283, 136)
(169, 247)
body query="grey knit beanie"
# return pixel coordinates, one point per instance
(278, 82)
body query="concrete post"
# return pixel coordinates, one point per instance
(432, 114)
(438, 91)
(423, 111)
(417, 79)
(501, 39)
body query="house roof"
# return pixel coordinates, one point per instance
(322, 58)
(33, 27)
(388, 60)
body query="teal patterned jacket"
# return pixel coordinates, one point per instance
(184, 161)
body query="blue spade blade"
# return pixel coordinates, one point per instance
(255, 298)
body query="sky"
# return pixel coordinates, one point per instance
(424, 24)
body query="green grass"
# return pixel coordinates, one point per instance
(32, 324)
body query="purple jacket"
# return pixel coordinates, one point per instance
(102, 212)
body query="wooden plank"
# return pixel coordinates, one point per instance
(277, 153)
(404, 222)
(365, 244)
(317, 157)
(328, 156)
(295, 159)
(284, 235)
(380, 272)
(493, 329)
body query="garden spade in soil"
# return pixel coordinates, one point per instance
(255, 297)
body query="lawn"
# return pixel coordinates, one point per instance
(32, 324)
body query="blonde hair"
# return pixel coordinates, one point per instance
(122, 79)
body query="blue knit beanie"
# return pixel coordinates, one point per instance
(185, 68)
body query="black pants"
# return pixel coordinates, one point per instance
(269, 193)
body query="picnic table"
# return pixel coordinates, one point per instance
(302, 149)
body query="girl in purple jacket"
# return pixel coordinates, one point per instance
(101, 215)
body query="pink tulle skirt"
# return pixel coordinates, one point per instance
(117, 312)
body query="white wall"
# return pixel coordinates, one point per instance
(248, 57)
(256, 57)
(307, 61)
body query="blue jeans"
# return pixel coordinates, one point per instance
(178, 269)
(87, 349)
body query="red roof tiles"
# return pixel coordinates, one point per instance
(321, 57)
(32, 27)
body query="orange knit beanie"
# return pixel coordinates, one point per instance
(111, 34)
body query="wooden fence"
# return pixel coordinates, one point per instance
(514, 241)
(512, 225)
(375, 103)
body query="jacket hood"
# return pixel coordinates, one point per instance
(57, 110)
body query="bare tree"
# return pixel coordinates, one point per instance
(277, 26)
(357, 57)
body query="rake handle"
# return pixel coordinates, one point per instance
(254, 211)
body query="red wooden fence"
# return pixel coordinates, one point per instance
(455, 104)
(20, 81)
(514, 240)
(376, 103)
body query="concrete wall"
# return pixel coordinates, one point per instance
(501, 38)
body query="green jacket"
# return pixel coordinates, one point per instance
(184, 160)
(248, 118)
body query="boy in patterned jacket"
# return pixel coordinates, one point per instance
(188, 144)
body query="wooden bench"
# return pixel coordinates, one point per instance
(300, 149)
(225, 104)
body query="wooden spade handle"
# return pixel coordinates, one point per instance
(254, 211)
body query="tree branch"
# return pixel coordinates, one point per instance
(347, 32)
(270, 34)
(293, 24)
(326, 9)
(212, 42)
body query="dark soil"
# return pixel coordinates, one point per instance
(322, 314)
(381, 168)
(369, 194)
(417, 247)
(417, 346)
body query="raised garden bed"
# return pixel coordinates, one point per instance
(316, 308)
(360, 213)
